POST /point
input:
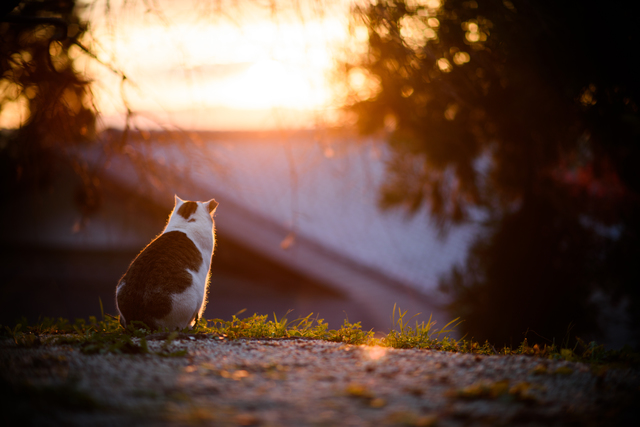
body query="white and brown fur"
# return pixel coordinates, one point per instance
(166, 284)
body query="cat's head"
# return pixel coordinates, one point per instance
(193, 214)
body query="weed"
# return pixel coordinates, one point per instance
(423, 335)
(94, 336)
(350, 333)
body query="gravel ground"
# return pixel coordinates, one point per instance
(306, 383)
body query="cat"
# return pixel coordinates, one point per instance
(166, 284)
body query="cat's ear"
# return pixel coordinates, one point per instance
(178, 201)
(211, 206)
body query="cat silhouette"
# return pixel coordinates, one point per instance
(166, 284)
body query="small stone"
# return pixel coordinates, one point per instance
(378, 403)
(563, 370)
(246, 420)
(358, 390)
(426, 421)
(540, 370)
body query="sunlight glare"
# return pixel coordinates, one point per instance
(13, 114)
(194, 63)
(375, 352)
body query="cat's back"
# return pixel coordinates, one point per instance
(168, 256)
(161, 270)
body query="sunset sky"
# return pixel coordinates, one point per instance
(239, 66)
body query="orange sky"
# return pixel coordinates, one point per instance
(196, 68)
(219, 64)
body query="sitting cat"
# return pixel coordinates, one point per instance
(166, 284)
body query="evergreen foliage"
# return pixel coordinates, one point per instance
(524, 114)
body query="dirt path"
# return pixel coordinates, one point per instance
(305, 383)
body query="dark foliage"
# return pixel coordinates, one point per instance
(40, 41)
(525, 113)
(38, 71)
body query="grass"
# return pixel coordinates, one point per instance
(95, 336)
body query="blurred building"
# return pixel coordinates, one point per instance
(298, 229)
